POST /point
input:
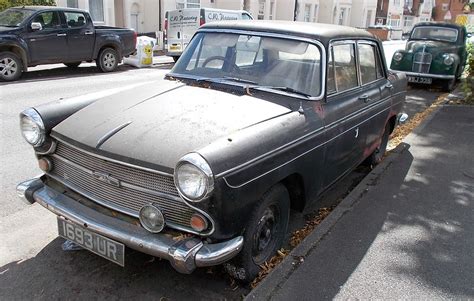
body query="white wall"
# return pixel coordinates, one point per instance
(109, 14)
(363, 13)
(330, 11)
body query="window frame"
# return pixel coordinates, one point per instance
(356, 53)
(59, 15)
(74, 12)
(378, 62)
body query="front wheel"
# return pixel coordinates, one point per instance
(11, 66)
(108, 60)
(264, 234)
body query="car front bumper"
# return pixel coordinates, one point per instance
(437, 76)
(184, 255)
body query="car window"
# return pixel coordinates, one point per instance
(345, 67)
(367, 59)
(246, 17)
(434, 33)
(48, 20)
(378, 59)
(74, 19)
(331, 83)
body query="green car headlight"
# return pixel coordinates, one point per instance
(448, 59)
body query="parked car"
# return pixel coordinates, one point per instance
(435, 51)
(182, 24)
(35, 35)
(254, 119)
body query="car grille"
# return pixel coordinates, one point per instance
(422, 62)
(137, 187)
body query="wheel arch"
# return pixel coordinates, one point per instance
(294, 183)
(112, 45)
(19, 52)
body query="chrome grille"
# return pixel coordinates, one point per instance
(422, 62)
(138, 187)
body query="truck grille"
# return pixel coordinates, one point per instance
(422, 62)
(137, 187)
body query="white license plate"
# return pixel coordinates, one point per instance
(98, 244)
(420, 80)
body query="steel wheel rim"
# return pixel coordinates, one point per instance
(8, 67)
(109, 60)
(264, 238)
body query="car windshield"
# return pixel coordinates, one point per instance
(435, 33)
(275, 63)
(14, 17)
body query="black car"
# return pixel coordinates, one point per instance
(255, 119)
(35, 35)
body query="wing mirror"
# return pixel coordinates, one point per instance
(35, 26)
(469, 35)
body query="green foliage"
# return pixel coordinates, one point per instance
(468, 81)
(4, 4)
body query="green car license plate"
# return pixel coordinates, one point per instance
(98, 244)
(420, 80)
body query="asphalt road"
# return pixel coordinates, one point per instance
(32, 264)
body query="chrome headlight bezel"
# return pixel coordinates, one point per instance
(448, 59)
(196, 161)
(397, 56)
(30, 115)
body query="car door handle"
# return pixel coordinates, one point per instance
(389, 86)
(89, 32)
(364, 97)
(61, 34)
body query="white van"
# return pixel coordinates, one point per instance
(181, 24)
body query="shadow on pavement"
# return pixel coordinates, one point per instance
(55, 274)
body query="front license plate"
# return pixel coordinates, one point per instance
(98, 244)
(420, 80)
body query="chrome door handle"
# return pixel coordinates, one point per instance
(89, 32)
(364, 97)
(389, 86)
(61, 34)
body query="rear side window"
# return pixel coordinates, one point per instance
(368, 66)
(74, 19)
(345, 67)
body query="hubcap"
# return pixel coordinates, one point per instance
(109, 60)
(265, 235)
(8, 67)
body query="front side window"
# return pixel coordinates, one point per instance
(435, 33)
(75, 19)
(48, 20)
(262, 61)
(345, 67)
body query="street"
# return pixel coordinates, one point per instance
(32, 263)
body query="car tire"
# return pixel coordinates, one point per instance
(377, 156)
(11, 66)
(108, 60)
(175, 58)
(264, 234)
(73, 65)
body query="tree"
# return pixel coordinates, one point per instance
(4, 4)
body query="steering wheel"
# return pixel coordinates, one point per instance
(218, 58)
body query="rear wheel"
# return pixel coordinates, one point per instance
(108, 60)
(11, 66)
(377, 156)
(73, 65)
(264, 234)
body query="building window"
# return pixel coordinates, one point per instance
(315, 13)
(342, 16)
(445, 6)
(72, 3)
(396, 3)
(96, 9)
(180, 4)
(368, 21)
(408, 21)
(272, 8)
(307, 12)
(394, 23)
(261, 10)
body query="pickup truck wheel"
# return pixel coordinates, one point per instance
(264, 234)
(377, 156)
(11, 66)
(73, 65)
(108, 60)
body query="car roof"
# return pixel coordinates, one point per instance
(441, 24)
(55, 8)
(316, 31)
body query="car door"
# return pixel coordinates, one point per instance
(343, 112)
(80, 36)
(47, 45)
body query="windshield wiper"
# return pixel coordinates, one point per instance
(287, 89)
(240, 80)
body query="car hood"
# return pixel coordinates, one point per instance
(433, 47)
(158, 123)
(7, 30)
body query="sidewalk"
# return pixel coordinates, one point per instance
(406, 232)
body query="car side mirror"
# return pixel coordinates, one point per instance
(469, 35)
(35, 26)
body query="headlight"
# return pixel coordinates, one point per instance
(448, 60)
(398, 56)
(32, 127)
(193, 177)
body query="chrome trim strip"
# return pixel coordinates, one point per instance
(183, 258)
(51, 149)
(113, 160)
(440, 76)
(110, 133)
(300, 155)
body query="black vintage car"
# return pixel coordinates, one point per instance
(255, 119)
(435, 51)
(36, 35)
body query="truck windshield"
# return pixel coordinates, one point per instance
(255, 60)
(14, 17)
(435, 33)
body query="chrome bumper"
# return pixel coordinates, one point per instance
(184, 255)
(438, 76)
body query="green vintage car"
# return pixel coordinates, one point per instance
(436, 52)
